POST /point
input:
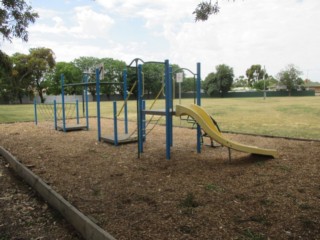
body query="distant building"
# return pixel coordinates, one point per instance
(277, 87)
(315, 86)
(242, 89)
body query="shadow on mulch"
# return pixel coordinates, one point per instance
(250, 160)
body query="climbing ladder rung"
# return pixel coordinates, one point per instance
(190, 120)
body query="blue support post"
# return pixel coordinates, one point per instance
(171, 106)
(115, 123)
(125, 95)
(144, 126)
(62, 103)
(199, 84)
(87, 100)
(55, 114)
(77, 111)
(35, 112)
(198, 103)
(140, 135)
(167, 101)
(98, 103)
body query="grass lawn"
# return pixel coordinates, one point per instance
(279, 116)
(16, 113)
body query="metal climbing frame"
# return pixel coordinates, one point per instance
(169, 110)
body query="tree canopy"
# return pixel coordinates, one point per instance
(5, 73)
(290, 77)
(205, 9)
(71, 73)
(255, 73)
(219, 82)
(15, 17)
(20, 78)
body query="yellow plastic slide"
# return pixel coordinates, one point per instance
(206, 123)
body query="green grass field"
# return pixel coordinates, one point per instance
(297, 117)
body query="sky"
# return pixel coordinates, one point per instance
(271, 33)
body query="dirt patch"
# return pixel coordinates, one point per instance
(24, 215)
(191, 196)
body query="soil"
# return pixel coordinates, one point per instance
(24, 215)
(190, 196)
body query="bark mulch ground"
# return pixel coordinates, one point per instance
(191, 196)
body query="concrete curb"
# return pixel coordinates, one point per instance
(77, 219)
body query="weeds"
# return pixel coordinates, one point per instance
(214, 187)
(189, 202)
(248, 234)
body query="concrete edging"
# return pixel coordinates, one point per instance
(88, 229)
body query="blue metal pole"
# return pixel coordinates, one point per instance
(198, 103)
(199, 84)
(140, 135)
(35, 112)
(77, 110)
(62, 103)
(115, 123)
(125, 95)
(87, 105)
(55, 114)
(98, 103)
(167, 101)
(171, 106)
(144, 126)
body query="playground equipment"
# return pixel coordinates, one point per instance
(115, 138)
(204, 122)
(202, 119)
(77, 126)
(123, 138)
(209, 127)
(64, 114)
(168, 112)
(53, 112)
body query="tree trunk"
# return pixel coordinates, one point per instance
(41, 96)
(20, 98)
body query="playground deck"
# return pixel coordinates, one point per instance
(70, 128)
(122, 139)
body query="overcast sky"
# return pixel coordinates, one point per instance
(272, 33)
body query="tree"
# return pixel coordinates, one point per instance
(71, 73)
(188, 84)
(220, 81)
(15, 17)
(153, 78)
(40, 62)
(88, 65)
(255, 73)
(114, 74)
(205, 9)
(265, 83)
(290, 77)
(21, 77)
(241, 81)
(5, 75)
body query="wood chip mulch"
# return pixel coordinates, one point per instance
(191, 196)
